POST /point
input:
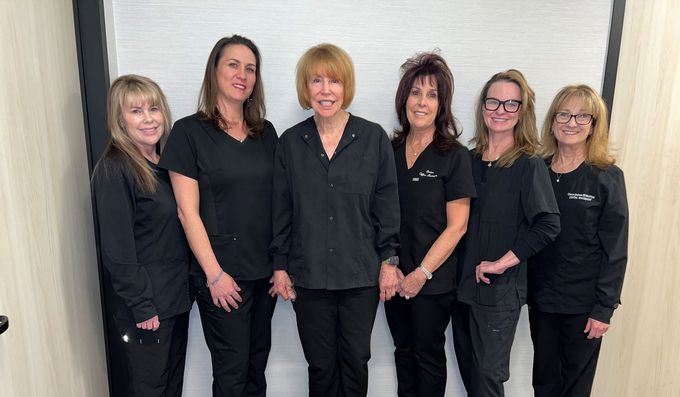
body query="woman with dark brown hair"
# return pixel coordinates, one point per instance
(435, 188)
(220, 161)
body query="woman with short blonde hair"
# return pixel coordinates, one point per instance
(336, 224)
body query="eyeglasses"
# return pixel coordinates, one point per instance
(581, 118)
(510, 105)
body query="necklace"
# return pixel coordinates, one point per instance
(565, 168)
(413, 152)
(492, 161)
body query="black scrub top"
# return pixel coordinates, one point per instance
(142, 243)
(335, 220)
(582, 270)
(434, 179)
(235, 187)
(515, 209)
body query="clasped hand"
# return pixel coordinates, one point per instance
(282, 285)
(225, 293)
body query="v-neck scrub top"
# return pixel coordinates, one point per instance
(335, 220)
(142, 243)
(515, 210)
(434, 179)
(235, 186)
(582, 270)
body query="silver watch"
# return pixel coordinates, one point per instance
(392, 260)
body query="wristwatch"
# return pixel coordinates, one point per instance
(392, 260)
(428, 274)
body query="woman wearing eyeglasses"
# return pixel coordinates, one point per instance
(514, 216)
(575, 282)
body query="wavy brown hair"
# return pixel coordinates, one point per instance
(253, 109)
(525, 134)
(126, 90)
(597, 144)
(418, 68)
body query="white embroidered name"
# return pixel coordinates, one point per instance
(580, 196)
(428, 174)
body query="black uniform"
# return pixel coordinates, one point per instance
(234, 180)
(515, 210)
(144, 249)
(418, 325)
(578, 276)
(334, 221)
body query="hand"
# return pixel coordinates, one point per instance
(412, 284)
(388, 281)
(595, 329)
(400, 277)
(488, 267)
(282, 285)
(225, 294)
(151, 324)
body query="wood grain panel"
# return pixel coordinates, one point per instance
(641, 354)
(48, 271)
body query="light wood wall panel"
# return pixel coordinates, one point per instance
(48, 271)
(641, 353)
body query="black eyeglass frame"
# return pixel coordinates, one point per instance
(592, 118)
(519, 104)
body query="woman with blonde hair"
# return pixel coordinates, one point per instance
(512, 218)
(142, 243)
(575, 282)
(336, 224)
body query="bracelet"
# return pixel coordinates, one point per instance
(428, 274)
(211, 283)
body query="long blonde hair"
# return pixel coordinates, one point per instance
(124, 90)
(524, 133)
(597, 143)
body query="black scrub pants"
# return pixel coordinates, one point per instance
(335, 331)
(239, 341)
(418, 328)
(155, 358)
(483, 340)
(564, 358)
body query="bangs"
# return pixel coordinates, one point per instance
(427, 78)
(586, 100)
(139, 96)
(326, 63)
(325, 67)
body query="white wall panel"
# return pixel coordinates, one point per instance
(553, 42)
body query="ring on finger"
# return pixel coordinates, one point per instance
(407, 297)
